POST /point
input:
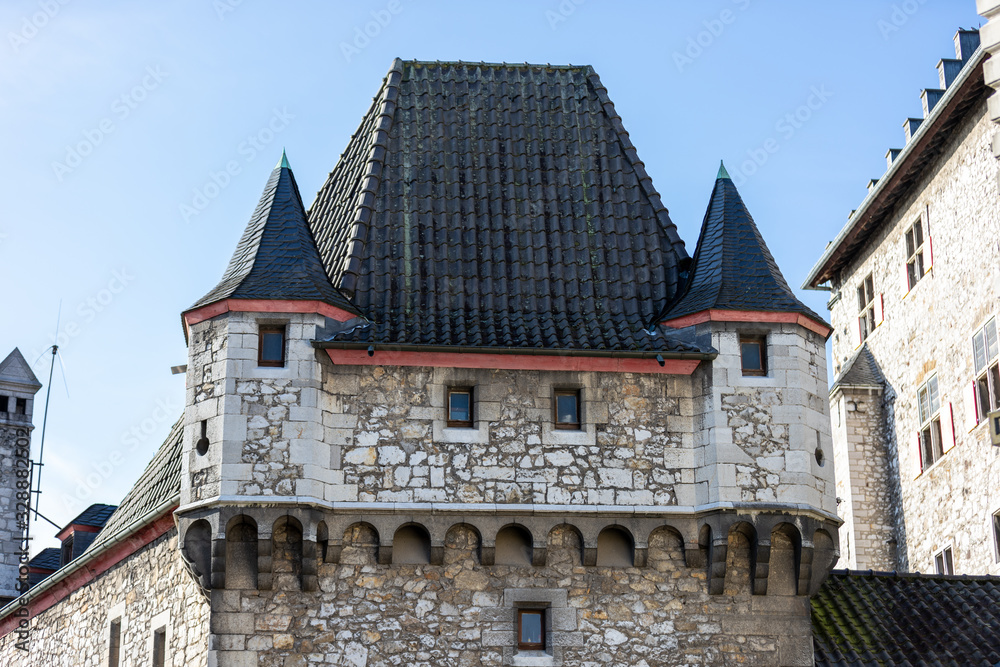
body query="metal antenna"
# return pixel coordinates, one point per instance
(35, 485)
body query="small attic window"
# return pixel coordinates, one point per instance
(753, 355)
(21, 407)
(271, 346)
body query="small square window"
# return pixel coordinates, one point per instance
(753, 355)
(943, 563)
(531, 629)
(460, 407)
(21, 406)
(567, 409)
(271, 346)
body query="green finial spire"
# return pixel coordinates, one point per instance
(722, 171)
(284, 161)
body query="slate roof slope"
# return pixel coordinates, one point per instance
(159, 485)
(732, 267)
(860, 371)
(96, 515)
(16, 370)
(277, 258)
(47, 559)
(884, 618)
(497, 206)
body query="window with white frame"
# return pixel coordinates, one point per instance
(929, 403)
(996, 535)
(914, 254)
(866, 307)
(943, 562)
(984, 355)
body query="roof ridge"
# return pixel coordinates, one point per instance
(370, 180)
(632, 155)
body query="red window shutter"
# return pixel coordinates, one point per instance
(930, 255)
(879, 310)
(906, 277)
(971, 407)
(947, 427)
(857, 332)
(920, 454)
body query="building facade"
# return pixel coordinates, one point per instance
(477, 406)
(915, 287)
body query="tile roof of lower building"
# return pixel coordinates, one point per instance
(47, 559)
(96, 515)
(887, 619)
(158, 485)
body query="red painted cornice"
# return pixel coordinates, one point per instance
(76, 528)
(720, 315)
(535, 362)
(263, 306)
(88, 570)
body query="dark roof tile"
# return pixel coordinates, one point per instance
(861, 371)
(96, 516)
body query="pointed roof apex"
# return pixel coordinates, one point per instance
(15, 370)
(732, 267)
(722, 171)
(284, 161)
(277, 258)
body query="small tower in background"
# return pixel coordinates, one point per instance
(18, 386)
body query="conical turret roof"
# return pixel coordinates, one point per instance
(732, 268)
(277, 257)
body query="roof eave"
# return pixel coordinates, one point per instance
(820, 272)
(551, 352)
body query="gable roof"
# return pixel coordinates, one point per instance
(497, 206)
(96, 516)
(885, 618)
(860, 371)
(15, 370)
(277, 258)
(732, 267)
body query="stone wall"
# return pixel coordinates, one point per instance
(14, 457)
(149, 589)
(929, 331)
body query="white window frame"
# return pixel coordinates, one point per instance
(929, 413)
(986, 366)
(944, 560)
(866, 308)
(915, 241)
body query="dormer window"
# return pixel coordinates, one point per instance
(271, 346)
(66, 554)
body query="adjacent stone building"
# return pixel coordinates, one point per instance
(915, 280)
(477, 406)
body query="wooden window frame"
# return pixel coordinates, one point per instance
(531, 646)
(931, 436)
(915, 240)
(866, 307)
(270, 329)
(761, 342)
(566, 426)
(460, 423)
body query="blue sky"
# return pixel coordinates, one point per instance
(119, 121)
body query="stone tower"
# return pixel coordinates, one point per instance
(18, 386)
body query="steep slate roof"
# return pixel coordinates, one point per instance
(884, 618)
(15, 370)
(732, 267)
(861, 371)
(277, 258)
(46, 559)
(159, 485)
(96, 515)
(497, 206)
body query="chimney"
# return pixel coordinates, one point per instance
(929, 97)
(891, 155)
(966, 42)
(910, 127)
(948, 69)
(871, 185)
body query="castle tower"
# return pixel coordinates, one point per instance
(764, 437)
(18, 386)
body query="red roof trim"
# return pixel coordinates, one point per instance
(719, 315)
(88, 571)
(512, 361)
(265, 306)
